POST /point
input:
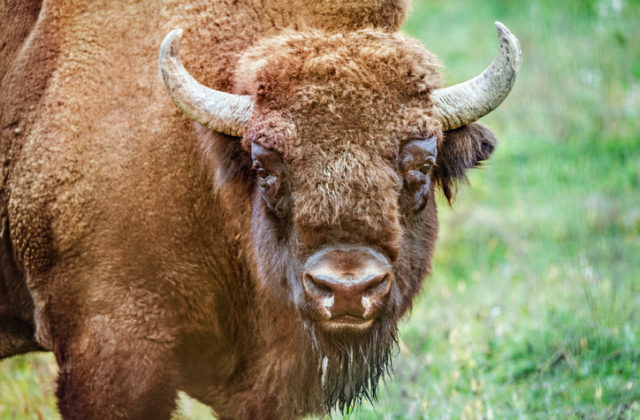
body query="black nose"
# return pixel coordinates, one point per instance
(350, 283)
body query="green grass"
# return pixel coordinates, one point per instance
(26, 387)
(533, 310)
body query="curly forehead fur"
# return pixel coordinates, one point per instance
(342, 77)
(377, 60)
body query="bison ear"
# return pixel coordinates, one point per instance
(463, 148)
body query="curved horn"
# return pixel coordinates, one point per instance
(466, 102)
(220, 111)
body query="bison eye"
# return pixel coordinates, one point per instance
(271, 172)
(262, 173)
(417, 159)
(266, 179)
(426, 168)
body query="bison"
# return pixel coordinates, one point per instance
(253, 237)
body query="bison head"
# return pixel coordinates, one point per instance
(342, 139)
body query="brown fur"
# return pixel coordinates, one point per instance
(462, 149)
(138, 248)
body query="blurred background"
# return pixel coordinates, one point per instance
(533, 309)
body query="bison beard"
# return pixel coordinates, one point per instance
(351, 364)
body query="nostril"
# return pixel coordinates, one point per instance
(316, 286)
(378, 286)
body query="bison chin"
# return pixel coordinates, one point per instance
(352, 362)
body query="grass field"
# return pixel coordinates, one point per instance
(533, 310)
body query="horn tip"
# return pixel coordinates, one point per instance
(500, 27)
(171, 43)
(503, 31)
(169, 56)
(505, 34)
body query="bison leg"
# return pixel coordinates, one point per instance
(116, 378)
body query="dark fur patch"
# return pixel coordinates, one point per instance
(462, 149)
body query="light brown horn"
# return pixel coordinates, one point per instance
(220, 111)
(466, 102)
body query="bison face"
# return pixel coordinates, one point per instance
(343, 232)
(331, 228)
(344, 138)
(344, 145)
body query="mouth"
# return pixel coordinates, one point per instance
(347, 321)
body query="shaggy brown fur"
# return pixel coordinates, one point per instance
(137, 246)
